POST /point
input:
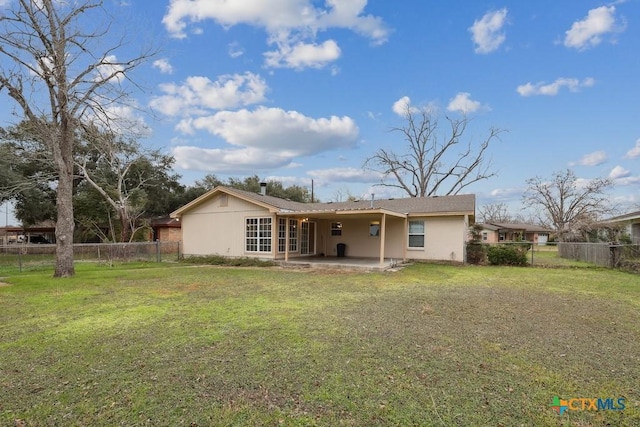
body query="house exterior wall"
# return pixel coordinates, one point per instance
(444, 239)
(169, 234)
(355, 234)
(491, 236)
(218, 228)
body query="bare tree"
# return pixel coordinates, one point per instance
(495, 212)
(343, 195)
(567, 204)
(109, 166)
(434, 164)
(56, 72)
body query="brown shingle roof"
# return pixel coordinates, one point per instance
(532, 228)
(464, 203)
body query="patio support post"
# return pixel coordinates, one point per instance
(383, 229)
(286, 239)
(405, 239)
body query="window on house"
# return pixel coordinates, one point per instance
(416, 234)
(501, 236)
(336, 229)
(485, 236)
(282, 234)
(258, 235)
(224, 200)
(374, 229)
(293, 235)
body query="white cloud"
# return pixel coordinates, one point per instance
(634, 152)
(262, 139)
(293, 23)
(589, 32)
(110, 70)
(463, 103)
(245, 160)
(163, 65)
(592, 159)
(345, 175)
(552, 89)
(235, 50)
(303, 55)
(403, 106)
(290, 131)
(288, 181)
(506, 193)
(121, 119)
(487, 32)
(200, 95)
(621, 176)
(619, 172)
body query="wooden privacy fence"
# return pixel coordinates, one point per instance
(601, 254)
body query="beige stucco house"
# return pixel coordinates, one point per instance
(630, 223)
(495, 232)
(236, 223)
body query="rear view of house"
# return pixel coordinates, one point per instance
(236, 223)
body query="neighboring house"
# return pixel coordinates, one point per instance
(236, 223)
(166, 229)
(494, 232)
(630, 223)
(41, 233)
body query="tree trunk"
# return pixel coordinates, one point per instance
(64, 227)
(65, 223)
(125, 234)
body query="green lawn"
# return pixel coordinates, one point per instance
(428, 345)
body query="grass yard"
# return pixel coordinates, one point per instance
(437, 345)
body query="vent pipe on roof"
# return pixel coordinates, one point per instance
(372, 196)
(263, 188)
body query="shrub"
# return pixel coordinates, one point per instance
(515, 254)
(227, 261)
(476, 253)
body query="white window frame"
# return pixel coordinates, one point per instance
(282, 234)
(293, 235)
(410, 233)
(258, 234)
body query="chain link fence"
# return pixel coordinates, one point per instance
(564, 254)
(539, 255)
(28, 257)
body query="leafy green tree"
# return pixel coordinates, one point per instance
(274, 188)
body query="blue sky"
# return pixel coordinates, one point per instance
(297, 90)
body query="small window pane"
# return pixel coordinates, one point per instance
(416, 227)
(374, 229)
(416, 241)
